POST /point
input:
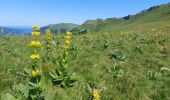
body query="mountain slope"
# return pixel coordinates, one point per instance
(156, 15)
(62, 27)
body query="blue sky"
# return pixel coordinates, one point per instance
(43, 12)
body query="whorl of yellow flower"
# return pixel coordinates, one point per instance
(66, 46)
(96, 95)
(35, 28)
(68, 33)
(35, 44)
(48, 34)
(34, 56)
(47, 31)
(36, 34)
(67, 37)
(35, 72)
(67, 42)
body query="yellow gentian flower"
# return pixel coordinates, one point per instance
(47, 31)
(48, 36)
(35, 44)
(35, 34)
(35, 72)
(95, 93)
(35, 28)
(67, 37)
(66, 46)
(35, 56)
(67, 42)
(68, 33)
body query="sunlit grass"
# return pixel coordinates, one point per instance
(138, 75)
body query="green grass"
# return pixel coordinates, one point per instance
(123, 58)
(144, 50)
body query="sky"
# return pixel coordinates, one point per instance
(44, 12)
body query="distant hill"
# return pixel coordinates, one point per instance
(154, 15)
(14, 30)
(62, 27)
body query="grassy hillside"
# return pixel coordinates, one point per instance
(128, 65)
(156, 14)
(123, 58)
(62, 27)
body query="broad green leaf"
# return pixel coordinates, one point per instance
(33, 85)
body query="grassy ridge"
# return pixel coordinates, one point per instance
(159, 14)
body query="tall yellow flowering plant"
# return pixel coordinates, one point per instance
(66, 49)
(48, 38)
(47, 56)
(35, 44)
(35, 56)
(36, 88)
(62, 74)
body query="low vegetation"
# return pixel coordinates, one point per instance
(125, 62)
